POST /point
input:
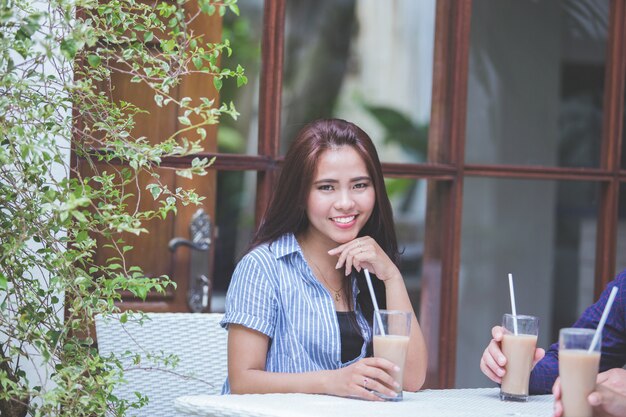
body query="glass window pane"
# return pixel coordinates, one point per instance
(408, 199)
(244, 32)
(543, 232)
(236, 191)
(366, 61)
(535, 82)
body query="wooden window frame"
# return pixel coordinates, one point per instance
(446, 167)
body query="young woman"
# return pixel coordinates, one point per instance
(298, 311)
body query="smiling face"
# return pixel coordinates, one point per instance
(341, 198)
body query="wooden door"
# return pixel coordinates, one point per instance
(152, 250)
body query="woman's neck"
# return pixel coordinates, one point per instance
(317, 249)
(322, 265)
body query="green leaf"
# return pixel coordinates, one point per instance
(3, 282)
(204, 6)
(155, 190)
(217, 82)
(234, 8)
(184, 120)
(185, 173)
(79, 216)
(82, 236)
(197, 62)
(94, 60)
(69, 48)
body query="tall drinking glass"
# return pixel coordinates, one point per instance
(391, 342)
(518, 346)
(578, 369)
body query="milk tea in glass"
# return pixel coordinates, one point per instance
(518, 346)
(391, 342)
(578, 369)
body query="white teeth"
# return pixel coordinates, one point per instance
(344, 220)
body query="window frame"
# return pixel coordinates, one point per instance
(446, 169)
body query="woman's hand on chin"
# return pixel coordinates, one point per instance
(364, 252)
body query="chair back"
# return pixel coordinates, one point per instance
(197, 340)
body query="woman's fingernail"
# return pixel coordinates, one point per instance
(396, 368)
(500, 372)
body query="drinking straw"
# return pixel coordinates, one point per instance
(374, 302)
(605, 314)
(512, 292)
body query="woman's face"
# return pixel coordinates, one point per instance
(341, 198)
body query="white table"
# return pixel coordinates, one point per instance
(481, 402)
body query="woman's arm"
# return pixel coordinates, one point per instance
(247, 354)
(365, 252)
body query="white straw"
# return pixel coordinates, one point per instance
(512, 291)
(605, 314)
(374, 302)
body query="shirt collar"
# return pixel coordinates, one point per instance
(285, 245)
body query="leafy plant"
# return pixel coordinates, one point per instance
(56, 60)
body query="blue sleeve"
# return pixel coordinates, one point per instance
(613, 338)
(614, 331)
(545, 372)
(251, 299)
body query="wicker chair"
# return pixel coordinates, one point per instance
(196, 339)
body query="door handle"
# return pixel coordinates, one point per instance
(198, 293)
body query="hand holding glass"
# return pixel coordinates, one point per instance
(391, 343)
(578, 369)
(518, 346)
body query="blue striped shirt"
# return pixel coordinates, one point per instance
(274, 291)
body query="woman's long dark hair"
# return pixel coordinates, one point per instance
(286, 212)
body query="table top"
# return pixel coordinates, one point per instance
(482, 402)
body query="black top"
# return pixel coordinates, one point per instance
(351, 339)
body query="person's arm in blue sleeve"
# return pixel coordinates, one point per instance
(545, 372)
(613, 338)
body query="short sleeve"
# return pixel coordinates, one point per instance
(251, 298)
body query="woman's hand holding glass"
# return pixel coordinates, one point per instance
(364, 376)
